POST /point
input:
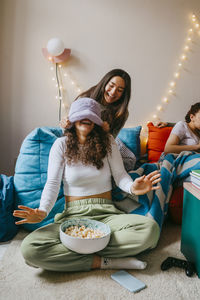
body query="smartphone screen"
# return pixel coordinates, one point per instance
(128, 281)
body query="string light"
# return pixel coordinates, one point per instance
(172, 83)
(183, 58)
(176, 75)
(159, 108)
(165, 100)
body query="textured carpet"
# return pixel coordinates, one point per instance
(21, 282)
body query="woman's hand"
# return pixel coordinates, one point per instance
(106, 126)
(29, 215)
(160, 124)
(65, 123)
(146, 183)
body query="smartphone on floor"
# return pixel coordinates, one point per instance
(128, 281)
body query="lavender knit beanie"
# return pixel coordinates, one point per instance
(85, 108)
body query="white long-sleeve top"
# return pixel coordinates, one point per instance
(81, 180)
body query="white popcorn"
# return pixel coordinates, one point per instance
(84, 232)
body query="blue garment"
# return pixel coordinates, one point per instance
(8, 229)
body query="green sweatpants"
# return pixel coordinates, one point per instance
(130, 235)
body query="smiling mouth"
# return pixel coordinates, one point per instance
(110, 97)
(86, 122)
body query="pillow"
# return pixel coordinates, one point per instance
(31, 172)
(157, 139)
(131, 138)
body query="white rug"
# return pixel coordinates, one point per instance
(21, 282)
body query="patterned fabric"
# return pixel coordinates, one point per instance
(173, 168)
(128, 156)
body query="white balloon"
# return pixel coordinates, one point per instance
(55, 46)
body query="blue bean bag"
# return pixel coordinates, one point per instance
(31, 172)
(8, 229)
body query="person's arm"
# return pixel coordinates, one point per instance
(140, 185)
(54, 175)
(172, 145)
(51, 188)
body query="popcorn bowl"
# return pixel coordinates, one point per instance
(85, 245)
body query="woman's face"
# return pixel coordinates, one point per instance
(84, 127)
(195, 119)
(114, 89)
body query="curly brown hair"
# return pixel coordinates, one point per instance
(195, 108)
(93, 151)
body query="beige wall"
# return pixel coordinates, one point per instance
(144, 37)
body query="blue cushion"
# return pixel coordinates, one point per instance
(131, 138)
(8, 229)
(31, 172)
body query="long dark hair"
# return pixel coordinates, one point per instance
(116, 113)
(92, 152)
(193, 110)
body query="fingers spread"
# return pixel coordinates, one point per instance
(21, 222)
(20, 214)
(25, 207)
(155, 187)
(156, 181)
(141, 178)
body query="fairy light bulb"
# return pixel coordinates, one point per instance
(172, 84)
(170, 91)
(72, 82)
(183, 57)
(165, 100)
(53, 78)
(51, 68)
(180, 64)
(50, 58)
(176, 75)
(186, 48)
(60, 66)
(65, 74)
(190, 30)
(189, 39)
(197, 25)
(159, 108)
(155, 116)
